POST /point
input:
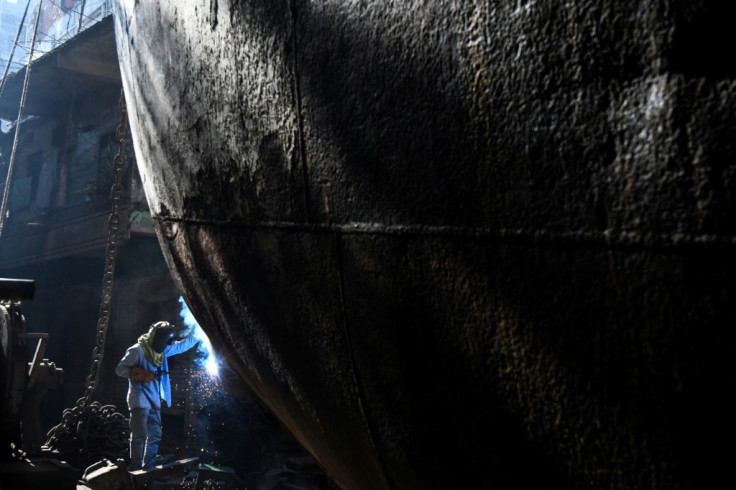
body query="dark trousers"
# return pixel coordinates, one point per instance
(145, 435)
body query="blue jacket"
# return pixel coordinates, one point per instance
(153, 393)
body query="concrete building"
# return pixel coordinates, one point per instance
(59, 205)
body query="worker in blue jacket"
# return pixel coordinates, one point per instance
(146, 367)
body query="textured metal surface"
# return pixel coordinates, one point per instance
(455, 244)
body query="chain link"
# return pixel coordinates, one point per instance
(116, 194)
(75, 423)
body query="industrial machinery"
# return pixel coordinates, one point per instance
(23, 384)
(24, 461)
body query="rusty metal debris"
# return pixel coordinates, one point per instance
(90, 433)
(106, 475)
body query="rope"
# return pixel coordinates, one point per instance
(81, 16)
(8, 179)
(12, 51)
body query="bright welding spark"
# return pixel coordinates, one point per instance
(208, 359)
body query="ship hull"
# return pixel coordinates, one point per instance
(450, 244)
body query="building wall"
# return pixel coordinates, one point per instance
(56, 234)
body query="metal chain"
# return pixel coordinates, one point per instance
(75, 423)
(116, 193)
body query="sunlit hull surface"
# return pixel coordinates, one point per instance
(455, 244)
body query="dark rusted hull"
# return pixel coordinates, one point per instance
(455, 244)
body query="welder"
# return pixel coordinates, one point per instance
(146, 367)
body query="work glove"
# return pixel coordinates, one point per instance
(140, 374)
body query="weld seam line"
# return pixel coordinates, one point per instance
(539, 236)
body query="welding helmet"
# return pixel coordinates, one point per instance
(163, 335)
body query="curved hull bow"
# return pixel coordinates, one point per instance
(454, 244)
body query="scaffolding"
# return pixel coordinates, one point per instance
(60, 21)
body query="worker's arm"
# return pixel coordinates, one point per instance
(182, 345)
(129, 360)
(127, 367)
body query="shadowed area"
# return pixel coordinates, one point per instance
(454, 245)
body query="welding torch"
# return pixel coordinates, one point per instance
(140, 374)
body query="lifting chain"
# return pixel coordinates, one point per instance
(116, 193)
(76, 424)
